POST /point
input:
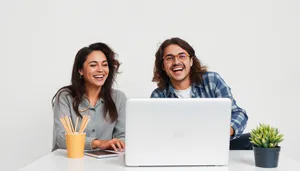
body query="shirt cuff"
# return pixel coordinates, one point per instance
(235, 128)
(88, 143)
(122, 138)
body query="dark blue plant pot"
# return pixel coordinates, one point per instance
(266, 157)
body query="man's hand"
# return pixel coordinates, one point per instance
(113, 144)
(231, 131)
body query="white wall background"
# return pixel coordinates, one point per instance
(254, 45)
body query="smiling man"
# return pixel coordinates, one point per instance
(180, 74)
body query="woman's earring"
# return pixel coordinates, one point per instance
(81, 76)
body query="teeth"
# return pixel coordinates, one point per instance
(177, 69)
(99, 76)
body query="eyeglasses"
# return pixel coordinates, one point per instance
(171, 58)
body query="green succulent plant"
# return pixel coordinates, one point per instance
(265, 136)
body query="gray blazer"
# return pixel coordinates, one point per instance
(97, 128)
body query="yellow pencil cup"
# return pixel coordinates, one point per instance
(75, 144)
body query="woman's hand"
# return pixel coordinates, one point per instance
(113, 144)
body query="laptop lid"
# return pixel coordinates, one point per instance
(170, 132)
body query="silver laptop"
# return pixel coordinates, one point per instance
(177, 132)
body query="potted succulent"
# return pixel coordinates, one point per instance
(265, 140)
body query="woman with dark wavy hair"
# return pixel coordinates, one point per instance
(91, 93)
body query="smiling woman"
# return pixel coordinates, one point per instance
(95, 70)
(91, 93)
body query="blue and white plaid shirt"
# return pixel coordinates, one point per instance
(213, 87)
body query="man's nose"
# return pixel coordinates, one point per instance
(176, 60)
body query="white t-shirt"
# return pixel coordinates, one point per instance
(187, 93)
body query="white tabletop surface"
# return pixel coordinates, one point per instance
(239, 161)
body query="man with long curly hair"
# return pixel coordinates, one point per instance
(180, 74)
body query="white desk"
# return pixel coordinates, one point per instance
(239, 161)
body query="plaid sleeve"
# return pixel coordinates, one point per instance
(239, 116)
(157, 94)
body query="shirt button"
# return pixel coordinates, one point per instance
(93, 130)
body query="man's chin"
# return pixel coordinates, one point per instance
(177, 79)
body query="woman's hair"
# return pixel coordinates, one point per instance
(77, 87)
(159, 75)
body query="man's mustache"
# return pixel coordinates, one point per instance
(178, 65)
